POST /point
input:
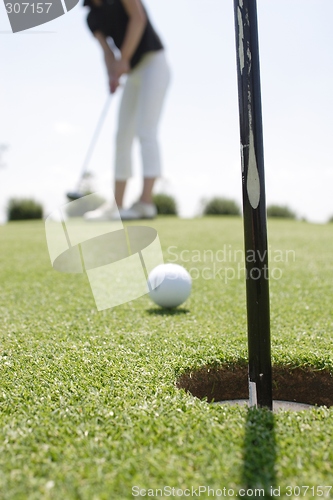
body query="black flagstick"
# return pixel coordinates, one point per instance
(254, 204)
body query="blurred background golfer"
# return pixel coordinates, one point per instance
(131, 46)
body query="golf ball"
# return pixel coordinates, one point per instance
(169, 285)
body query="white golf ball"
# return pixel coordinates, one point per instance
(169, 285)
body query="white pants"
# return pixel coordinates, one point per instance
(139, 114)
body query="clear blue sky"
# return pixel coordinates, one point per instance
(53, 86)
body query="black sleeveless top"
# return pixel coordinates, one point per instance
(111, 19)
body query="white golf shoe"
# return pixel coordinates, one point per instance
(138, 210)
(106, 212)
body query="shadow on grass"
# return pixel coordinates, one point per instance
(259, 454)
(161, 311)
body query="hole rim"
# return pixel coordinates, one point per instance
(297, 384)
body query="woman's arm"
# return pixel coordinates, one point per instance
(109, 59)
(108, 54)
(136, 25)
(135, 28)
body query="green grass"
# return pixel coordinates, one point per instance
(88, 402)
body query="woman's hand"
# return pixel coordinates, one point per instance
(116, 69)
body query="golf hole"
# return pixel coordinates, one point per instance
(291, 386)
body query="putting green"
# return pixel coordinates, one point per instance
(89, 404)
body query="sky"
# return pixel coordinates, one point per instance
(53, 87)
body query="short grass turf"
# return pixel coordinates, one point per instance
(89, 407)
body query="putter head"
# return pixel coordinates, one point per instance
(74, 195)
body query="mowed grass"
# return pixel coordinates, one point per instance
(89, 407)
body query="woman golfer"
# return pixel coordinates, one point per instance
(142, 58)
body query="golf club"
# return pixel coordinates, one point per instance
(75, 195)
